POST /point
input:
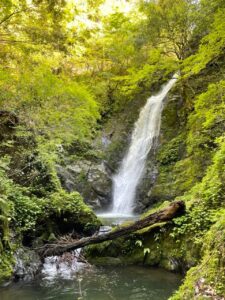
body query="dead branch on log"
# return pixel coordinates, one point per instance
(174, 209)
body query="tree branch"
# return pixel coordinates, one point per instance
(174, 209)
(16, 12)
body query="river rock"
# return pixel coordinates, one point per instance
(27, 264)
(92, 180)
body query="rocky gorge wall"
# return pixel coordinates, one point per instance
(92, 176)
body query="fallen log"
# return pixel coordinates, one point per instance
(174, 209)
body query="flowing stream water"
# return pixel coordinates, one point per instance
(145, 133)
(69, 278)
(98, 283)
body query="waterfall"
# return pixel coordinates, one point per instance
(146, 131)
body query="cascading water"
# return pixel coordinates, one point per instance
(145, 132)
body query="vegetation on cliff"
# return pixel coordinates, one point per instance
(68, 71)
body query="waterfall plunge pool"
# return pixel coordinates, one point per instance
(111, 219)
(79, 281)
(99, 283)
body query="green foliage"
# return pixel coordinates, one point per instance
(55, 110)
(205, 126)
(17, 207)
(172, 151)
(211, 48)
(52, 105)
(63, 65)
(62, 202)
(26, 210)
(169, 24)
(211, 189)
(207, 122)
(70, 211)
(6, 264)
(205, 14)
(6, 187)
(142, 79)
(209, 274)
(194, 223)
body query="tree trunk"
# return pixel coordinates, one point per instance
(174, 209)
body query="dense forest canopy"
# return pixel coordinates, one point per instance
(79, 56)
(67, 67)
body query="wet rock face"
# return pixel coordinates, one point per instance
(92, 180)
(27, 264)
(144, 198)
(93, 177)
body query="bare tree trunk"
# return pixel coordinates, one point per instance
(174, 209)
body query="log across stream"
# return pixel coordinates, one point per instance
(173, 210)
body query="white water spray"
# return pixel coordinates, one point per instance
(146, 131)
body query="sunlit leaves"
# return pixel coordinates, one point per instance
(169, 25)
(207, 122)
(211, 48)
(52, 105)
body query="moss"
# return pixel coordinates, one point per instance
(156, 246)
(155, 208)
(172, 151)
(81, 150)
(209, 275)
(6, 265)
(191, 126)
(66, 212)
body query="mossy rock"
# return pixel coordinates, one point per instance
(62, 213)
(6, 266)
(66, 212)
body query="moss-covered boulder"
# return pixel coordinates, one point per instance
(65, 213)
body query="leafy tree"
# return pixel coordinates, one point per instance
(50, 104)
(169, 25)
(211, 47)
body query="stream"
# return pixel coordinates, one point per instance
(98, 283)
(72, 279)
